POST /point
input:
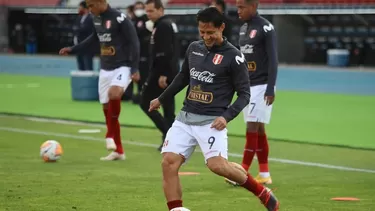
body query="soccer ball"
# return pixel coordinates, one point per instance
(51, 151)
(180, 209)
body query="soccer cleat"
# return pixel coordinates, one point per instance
(263, 180)
(110, 144)
(269, 200)
(113, 156)
(230, 182)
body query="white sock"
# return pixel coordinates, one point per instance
(264, 174)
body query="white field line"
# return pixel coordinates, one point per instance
(29, 85)
(90, 138)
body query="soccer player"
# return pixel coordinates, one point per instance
(164, 65)
(258, 43)
(213, 70)
(119, 48)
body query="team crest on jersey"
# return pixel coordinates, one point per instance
(139, 24)
(108, 24)
(217, 59)
(253, 33)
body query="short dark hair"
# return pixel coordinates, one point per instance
(158, 4)
(139, 2)
(211, 15)
(221, 3)
(83, 4)
(130, 8)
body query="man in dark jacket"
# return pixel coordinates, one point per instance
(163, 65)
(144, 33)
(83, 28)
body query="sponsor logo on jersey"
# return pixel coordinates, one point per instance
(239, 59)
(204, 76)
(107, 50)
(197, 53)
(247, 49)
(196, 94)
(251, 66)
(105, 37)
(268, 28)
(121, 18)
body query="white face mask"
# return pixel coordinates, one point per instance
(139, 12)
(149, 25)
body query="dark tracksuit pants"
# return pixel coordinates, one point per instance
(150, 91)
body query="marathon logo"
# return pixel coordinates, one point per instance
(196, 94)
(251, 66)
(107, 51)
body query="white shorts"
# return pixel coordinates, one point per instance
(257, 110)
(182, 139)
(117, 77)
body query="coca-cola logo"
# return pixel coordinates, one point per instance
(204, 76)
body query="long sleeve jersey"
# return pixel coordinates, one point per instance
(258, 44)
(119, 44)
(213, 76)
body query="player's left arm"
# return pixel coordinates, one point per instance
(240, 79)
(129, 34)
(271, 50)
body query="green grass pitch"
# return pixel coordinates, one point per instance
(305, 176)
(79, 181)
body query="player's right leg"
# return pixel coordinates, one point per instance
(112, 85)
(256, 115)
(220, 166)
(214, 145)
(104, 84)
(177, 148)
(252, 127)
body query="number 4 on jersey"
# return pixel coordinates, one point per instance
(119, 77)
